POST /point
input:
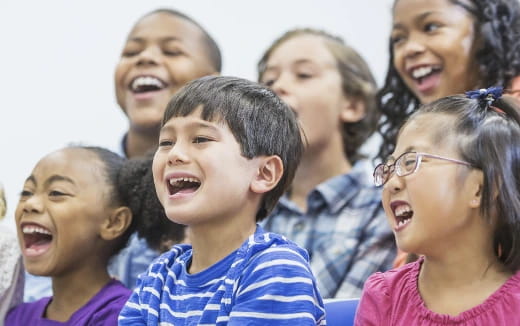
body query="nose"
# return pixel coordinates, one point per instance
(178, 154)
(281, 85)
(394, 184)
(413, 47)
(149, 56)
(32, 204)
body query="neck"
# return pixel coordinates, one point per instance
(315, 168)
(73, 291)
(473, 270)
(208, 242)
(141, 142)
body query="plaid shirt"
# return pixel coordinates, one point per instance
(344, 230)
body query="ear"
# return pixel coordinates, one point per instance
(353, 109)
(116, 223)
(269, 173)
(476, 182)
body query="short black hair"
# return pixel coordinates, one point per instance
(489, 139)
(212, 49)
(497, 25)
(260, 122)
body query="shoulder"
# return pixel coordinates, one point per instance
(265, 246)
(26, 313)
(104, 308)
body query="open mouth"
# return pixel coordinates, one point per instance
(183, 185)
(144, 84)
(403, 214)
(421, 74)
(36, 238)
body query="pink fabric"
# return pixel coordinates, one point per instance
(392, 298)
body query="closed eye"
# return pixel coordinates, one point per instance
(201, 139)
(56, 193)
(165, 143)
(25, 193)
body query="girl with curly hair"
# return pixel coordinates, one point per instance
(440, 48)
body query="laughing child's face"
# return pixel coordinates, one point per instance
(200, 173)
(60, 211)
(162, 53)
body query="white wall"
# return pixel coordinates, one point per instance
(57, 60)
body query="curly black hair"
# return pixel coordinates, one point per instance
(137, 190)
(497, 23)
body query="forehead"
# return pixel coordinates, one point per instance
(302, 47)
(424, 132)
(165, 25)
(413, 8)
(80, 165)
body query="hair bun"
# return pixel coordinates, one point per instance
(488, 95)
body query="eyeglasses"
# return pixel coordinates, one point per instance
(404, 165)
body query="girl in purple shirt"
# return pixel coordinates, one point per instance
(452, 194)
(77, 209)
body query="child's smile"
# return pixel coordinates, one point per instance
(403, 214)
(37, 239)
(195, 170)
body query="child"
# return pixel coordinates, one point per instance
(77, 209)
(11, 269)
(439, 48)
(451, 193)
(445, 47)
(164, 50)
(228, 149)
(331, 209)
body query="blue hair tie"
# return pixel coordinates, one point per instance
(489, 95)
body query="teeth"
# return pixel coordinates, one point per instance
(34, 229)
(403, 222)
(173, 181)
(146, 81)
(421, 72)
(401, 210)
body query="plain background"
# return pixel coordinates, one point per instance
(57, 61)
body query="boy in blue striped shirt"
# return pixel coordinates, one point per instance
(228, 149)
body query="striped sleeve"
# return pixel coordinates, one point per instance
(277, 288)
(143, 306)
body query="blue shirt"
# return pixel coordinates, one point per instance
(344, 230)
(267, 281)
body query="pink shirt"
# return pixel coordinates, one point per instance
(392, 298)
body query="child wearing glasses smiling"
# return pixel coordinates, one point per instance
(451, 193)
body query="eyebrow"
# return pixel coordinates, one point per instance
(163, 39)
(416, 19)
(198, 124)
(57, 177)
(407, 149)
(53, 178)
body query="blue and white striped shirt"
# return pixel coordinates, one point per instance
(267, 281)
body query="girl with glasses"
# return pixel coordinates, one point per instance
(451, 194)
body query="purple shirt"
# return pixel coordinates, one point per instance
(102, 309)
(393, 298)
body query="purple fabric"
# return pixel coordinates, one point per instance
(393, 298)
(101, 310)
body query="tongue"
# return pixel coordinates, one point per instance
(428, 83)
(36, 244)
(186, 190)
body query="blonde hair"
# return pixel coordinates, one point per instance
(3, 203)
